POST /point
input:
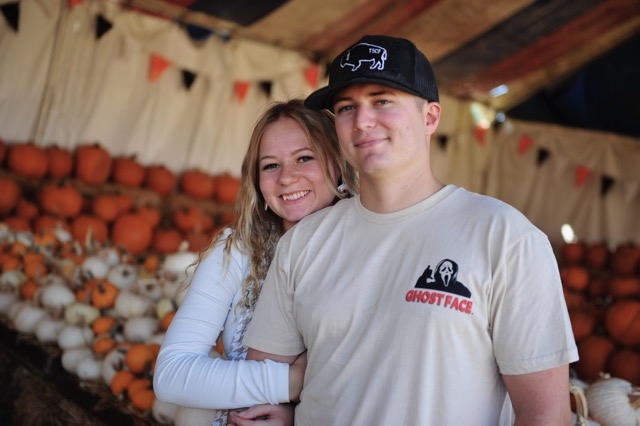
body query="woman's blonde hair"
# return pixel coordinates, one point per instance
(256, 231)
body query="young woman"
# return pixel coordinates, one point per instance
(292, 168)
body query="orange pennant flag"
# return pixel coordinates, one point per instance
(311, 74)
(479, 133)
(240, 88)
(582, 173)
(524, 144)
(157, 66)
(73, 3)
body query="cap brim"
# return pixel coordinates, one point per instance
(323, 98)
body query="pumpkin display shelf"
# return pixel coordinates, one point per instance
(93, 266)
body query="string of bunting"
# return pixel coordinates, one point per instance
(11, 14)
(525, 144)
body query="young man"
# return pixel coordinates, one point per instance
(419, 303)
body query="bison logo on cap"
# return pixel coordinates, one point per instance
(364, 52)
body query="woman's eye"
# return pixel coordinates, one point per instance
(305, 159)
(269, 166)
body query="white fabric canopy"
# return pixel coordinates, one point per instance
(60, 84)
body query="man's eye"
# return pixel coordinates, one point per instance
(344, 108)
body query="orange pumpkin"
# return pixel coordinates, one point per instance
(160, 179)
(121, 381)
(143, 400)
(28, 289)
(93, 164)
(131, 232)
(60, 161)
(574, 277)
(621, 287)
(150, 214)
(103, 344)
(625, 259)
(28, 160)
(228, 188)
(17, 223)
(103, 293)
(10, 193)
(83, 225)
(139, 358)
(192, 218)
(128, 172)
(106, 207)
(26, 209)
(198, 184)
(594, 352)
(166, 319)
(104, 325)
(166, 240)
(582, 324)
(61, 200)
(622, 322)
(572, 253)
(597, 255)
(47, 222)
(197, 240)
(625, 364)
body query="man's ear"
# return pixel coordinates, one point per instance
(431, 112)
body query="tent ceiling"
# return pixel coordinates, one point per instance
(475, 46)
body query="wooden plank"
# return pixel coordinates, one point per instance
(555, 55)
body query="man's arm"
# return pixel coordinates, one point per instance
(540, 398)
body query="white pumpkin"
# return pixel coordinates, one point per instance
(89, 368)
(79, 313)
(7, 299)
(71, 358)
(129, 305)
(111, 364)
(123, 275)
(95, 267)
(27, 317)
(164, 412)
(75, 336)
(614, 402)
(12, 279)
(150, 288)
(56, 297)
(140, 329)
(48, 330)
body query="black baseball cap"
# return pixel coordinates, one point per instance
(378, 59)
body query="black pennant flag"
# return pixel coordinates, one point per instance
(102, 26)
(606, 182)
(266, 86)
(11, 12)
(442, 141)
(188, 78)
(543, 155)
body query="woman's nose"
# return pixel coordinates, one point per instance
(288, 174)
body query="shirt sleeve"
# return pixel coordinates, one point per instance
(528, 292)
(185, 374)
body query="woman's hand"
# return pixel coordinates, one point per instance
(262, 415)
(296, 377)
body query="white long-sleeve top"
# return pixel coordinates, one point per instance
(185, 374)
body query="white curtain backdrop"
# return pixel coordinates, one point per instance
(60, 84)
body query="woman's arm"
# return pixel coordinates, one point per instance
(185, 374)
